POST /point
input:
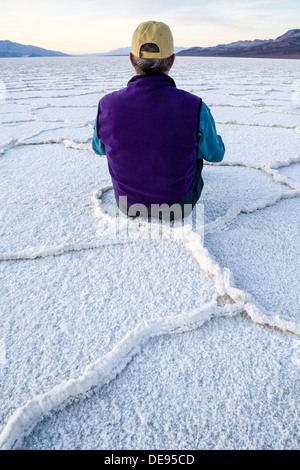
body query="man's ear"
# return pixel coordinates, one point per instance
(130, 57)
(173, 59)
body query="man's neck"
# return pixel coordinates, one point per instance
(142, 74)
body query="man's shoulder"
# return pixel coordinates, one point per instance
(120, 95)
(188, 95)
(113, 95)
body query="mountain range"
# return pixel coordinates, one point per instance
(285, 46)
(14, 49)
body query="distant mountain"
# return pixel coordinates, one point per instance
(207, 51)
(285, 46)
(14, 49)
(241, 44)
(120, 51)
(292, 33)
(288, 48)
(126, 50)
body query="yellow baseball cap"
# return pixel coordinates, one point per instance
(154, 32)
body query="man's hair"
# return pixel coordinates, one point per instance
(143, 66)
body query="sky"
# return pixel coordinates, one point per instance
(91, 26)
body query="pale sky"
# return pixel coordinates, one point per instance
(91, 26)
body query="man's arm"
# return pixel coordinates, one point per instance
(97, 145)
(211, 146)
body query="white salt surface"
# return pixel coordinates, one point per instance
(85, 100)
(234, 188)
(91, 302)
(10, 118)
(69, 135)
(258, 146)
(6, 109)
(252, 371)
(81, 305)
(44, 206)
(262, 251)
(66, 114)
(292, 172)
(252, 116)
(20, 131)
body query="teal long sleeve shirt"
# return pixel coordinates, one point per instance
(210, 147)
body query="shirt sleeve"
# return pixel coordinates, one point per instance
(210, 146)
(97, 145)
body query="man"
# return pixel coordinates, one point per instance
(154, 135)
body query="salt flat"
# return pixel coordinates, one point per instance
(251, 371)
(114, 338)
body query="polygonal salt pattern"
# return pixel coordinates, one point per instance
(61, 313)
(209, 393)
(262, 251)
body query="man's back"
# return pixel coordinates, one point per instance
(150, 130)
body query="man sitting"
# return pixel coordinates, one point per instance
(154, 135)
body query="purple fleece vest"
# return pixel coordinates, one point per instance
(150, 130)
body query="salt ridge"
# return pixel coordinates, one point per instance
(34, 253)
(106, 368)
(223, 278)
